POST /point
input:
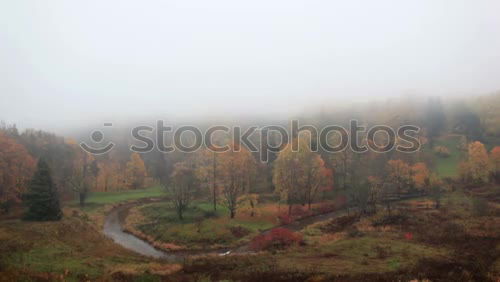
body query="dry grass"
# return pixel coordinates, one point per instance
(71, 248)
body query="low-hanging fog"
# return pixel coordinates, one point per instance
(67, 62)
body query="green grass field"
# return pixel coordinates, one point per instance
(99, 199)
(448, 167)
(121, 196)
(201, 226)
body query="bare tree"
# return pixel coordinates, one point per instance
(181, 187)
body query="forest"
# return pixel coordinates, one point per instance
(308, 214)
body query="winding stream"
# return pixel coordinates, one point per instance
(113, 229)
(115, 219)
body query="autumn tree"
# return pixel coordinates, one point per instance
(41, 200)
(16, 169)
(207, 165)
(55, 150)
(399, 173)
(488, 109)
(495, 162)
(110, 176)
(286, 177)
(375, 185)
(317, 177)
(249, 203)
(235, 166)
(135, 172)
(82, 178)
(359, 196)
(420, 175)
(436, 190)
(476, 168)
(300, 175)
(342, 163)
(464, 172)
(387, 191)
(94, 172)
(181, 187)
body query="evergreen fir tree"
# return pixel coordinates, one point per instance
(41, 199)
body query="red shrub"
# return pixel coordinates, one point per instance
(300, 212)
(340, 201)
(409, 236)
(278, 238)
(284, 219)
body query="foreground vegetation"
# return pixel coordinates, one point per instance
(415, 240)
(69, 250)
(454, 243)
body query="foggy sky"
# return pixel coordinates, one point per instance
(66, 62)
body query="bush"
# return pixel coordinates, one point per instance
(390, 220)
(284, 219)
(301, 212)
(381, 251)
(442, 151)
(338, 224)
(447, 232)
(326, 208)
(209, 214)
(5, 207)
(239, 231)
(353, 232)
(276, 239)
(480, 207)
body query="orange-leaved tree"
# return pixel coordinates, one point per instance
(110, 176)
(16, 168)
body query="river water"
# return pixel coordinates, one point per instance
(113, 229)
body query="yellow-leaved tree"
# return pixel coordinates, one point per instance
(235, 167)
(399, 173)
(206, 171)
(495, 162)
(135, 172)
(299, 175)
(477, 167)
(421, 175)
